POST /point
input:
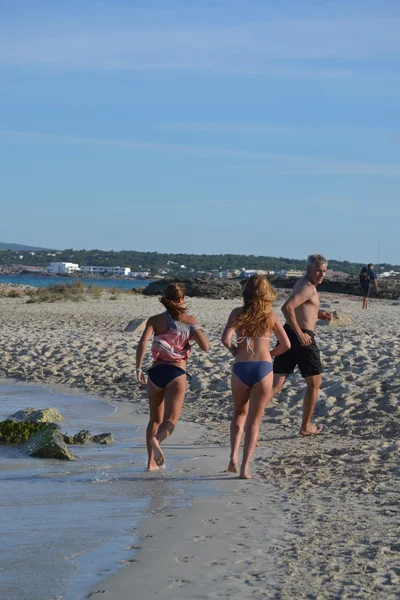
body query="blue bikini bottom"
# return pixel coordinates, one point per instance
(252, 372)
(162, 375)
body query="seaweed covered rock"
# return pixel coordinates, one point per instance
(15, 432)
(103, 438)
(34, 415)
(47, 443)
(83, 437)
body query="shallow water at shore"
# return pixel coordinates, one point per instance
(66, 525)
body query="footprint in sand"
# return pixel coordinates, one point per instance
(178, 583)
(215, 563)
(212, 521)
(202, 538)
(183, 559)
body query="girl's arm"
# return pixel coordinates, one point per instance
(200, 339)
(281, 336)
(229, 330)
(141, 350)
(197, 335)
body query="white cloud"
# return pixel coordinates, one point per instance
(339, 48)
(270, 162)
(272, 129)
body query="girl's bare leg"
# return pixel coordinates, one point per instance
(174, 395)
(240, 398)
(260, 394)
(156, 404)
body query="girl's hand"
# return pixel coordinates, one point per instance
(233, 350)
(140, 376)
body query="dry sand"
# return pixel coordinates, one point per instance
(332, 502)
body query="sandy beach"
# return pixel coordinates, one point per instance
(321, 517)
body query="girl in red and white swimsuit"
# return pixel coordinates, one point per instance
(173, 331)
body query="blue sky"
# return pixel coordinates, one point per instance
(205, 126)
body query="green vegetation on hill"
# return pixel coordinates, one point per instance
(18, 247)
(155, 261)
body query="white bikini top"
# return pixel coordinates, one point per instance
(248, 341)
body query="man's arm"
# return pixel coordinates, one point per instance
(288, 309)
(323, 315)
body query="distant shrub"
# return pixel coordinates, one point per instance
(12, 293)
(75, 292)
(115, 291)
(95, 291)
(59, 292)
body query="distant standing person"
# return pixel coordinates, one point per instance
(166, 386)
(368, 280)
(301, 311)
(252, 371)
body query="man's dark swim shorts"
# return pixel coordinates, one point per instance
(306, 357)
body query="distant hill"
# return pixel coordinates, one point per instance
(167, 264)
(20, 247)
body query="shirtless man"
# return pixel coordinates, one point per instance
(301, 311)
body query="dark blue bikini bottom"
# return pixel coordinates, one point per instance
(252, 372)
(162, 375)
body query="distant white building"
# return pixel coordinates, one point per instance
(62, 268)
(250, 272)
(106, 270)
(292, 273)
(140, 274)
(389, 274)
(230, 274)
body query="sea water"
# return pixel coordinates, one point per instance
(66, 525)
(40, 281)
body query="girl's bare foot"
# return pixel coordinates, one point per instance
(244, 474)
(232, 467)
(158, 453)
(152, 466)
(311, 430)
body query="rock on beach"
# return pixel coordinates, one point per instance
(34, 415)
(202, 288)
(47, 443)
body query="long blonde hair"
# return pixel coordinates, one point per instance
(172, 298)
(257, 315)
